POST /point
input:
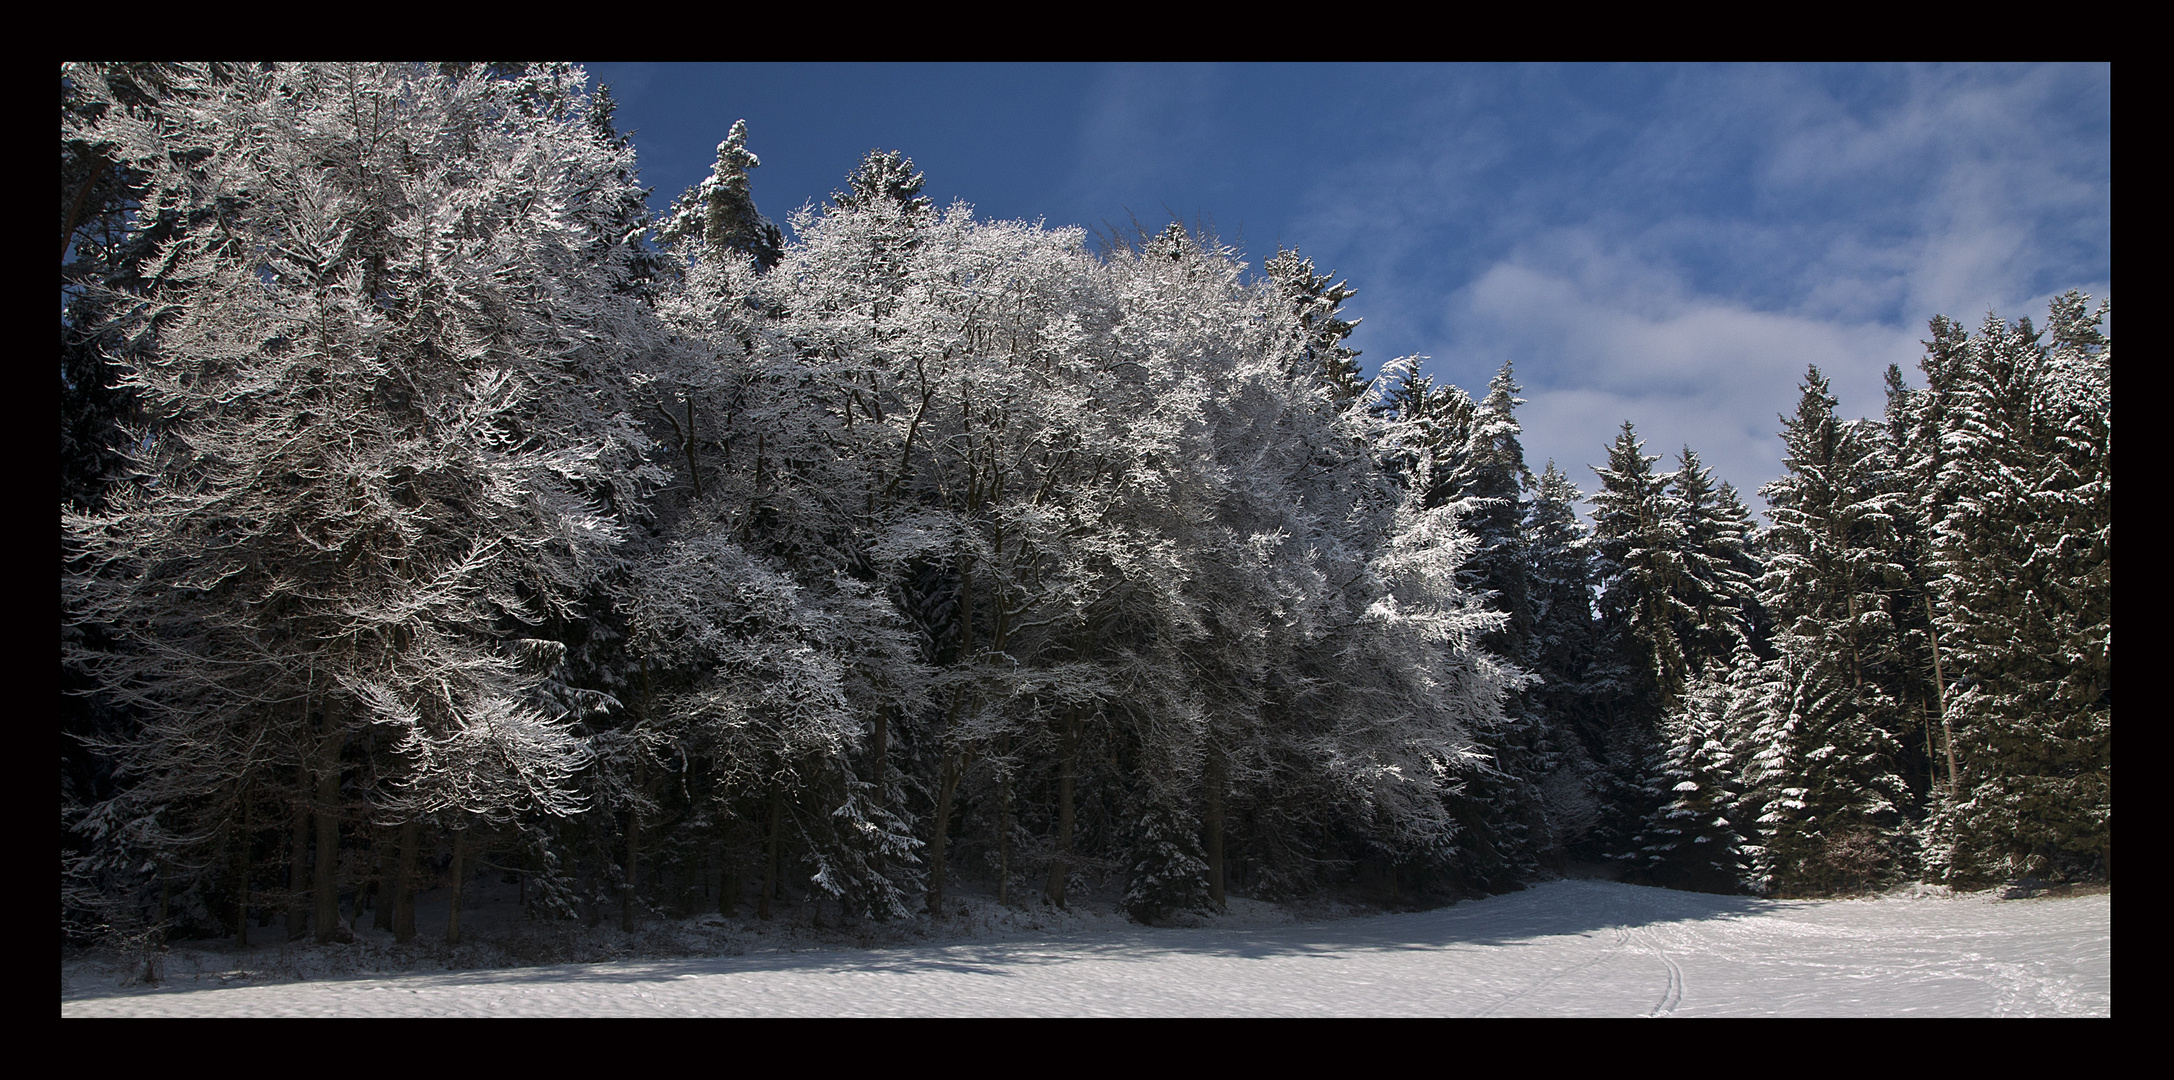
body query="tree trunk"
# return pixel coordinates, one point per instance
(628, 893)
(1060, 868)
(947, 785)
(388, 878)
(81, 201)
(460, 875)
(298, 863)
(1940, 690)
(770, 854)
(404, 883)
(241, 879)
(1215, 827)
(327, 808)
(362, 886)
(1004, 841)
(694, 470)
(728, 880)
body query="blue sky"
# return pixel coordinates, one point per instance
(1668, 245)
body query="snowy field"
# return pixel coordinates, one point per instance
(1565, 948)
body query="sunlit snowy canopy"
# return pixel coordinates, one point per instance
(1666, 245)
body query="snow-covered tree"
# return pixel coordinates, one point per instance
(1638, 538)
(1719, 587)
(774, 686)
(1831, 564)
(1692, 841)
(1570, 707)
(1500, 804)
(1321, 331)
(1828, 585)
(2025, 595)
(720, 212)
(373, 364)
(1821, 780)
(887, 175)
(1493, 476)
(1640, 668)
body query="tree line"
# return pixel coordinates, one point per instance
(422, 518)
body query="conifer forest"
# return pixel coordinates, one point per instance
(433, 507)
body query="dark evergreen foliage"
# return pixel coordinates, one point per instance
(2025, 593)
(720, 214)
(1692, 841)
(1321, 329)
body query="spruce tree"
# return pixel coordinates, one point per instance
(1692, 840)
(1489, 481)
(1914, 454)
(1321, 331)
(720, 213)
(2025, 606)
(1566, 648)
(1831, 568)
(1718, 589)
(1821, 782)
(1830, 579)
(1638, 537)
(1432, 428)
(884, 176)
(1492, 477)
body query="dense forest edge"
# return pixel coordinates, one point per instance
(431, 508)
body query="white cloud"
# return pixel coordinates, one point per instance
(1679, 258)
(1599, 343)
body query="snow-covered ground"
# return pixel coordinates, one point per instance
(1565, 948)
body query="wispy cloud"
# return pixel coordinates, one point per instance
(1149, 129)
(1675, 246)
(1595, 345)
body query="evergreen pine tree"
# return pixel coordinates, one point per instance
(1821, 782)
(1718, 589)
(1691, 840)
(1492, 477)
(2025, 607)
(1638, 538)
(1829, 584)
(1433, 426)
(1167, 871)
(884, 177)
(719, 213)
(1641, 670)
(1321, 330)
(1502, 808)
(1566, 643)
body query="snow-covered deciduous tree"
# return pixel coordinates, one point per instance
(375, 358)
(774, 686)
